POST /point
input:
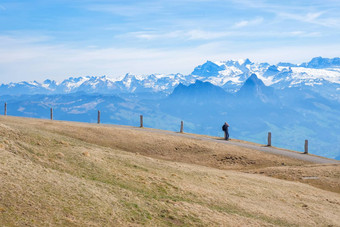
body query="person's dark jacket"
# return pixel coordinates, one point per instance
(225, 127)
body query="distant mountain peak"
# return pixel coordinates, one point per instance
(253, 80)
(238, 63)
(201, 83)
(199, 90)
(208, 69)
(286, 64)
(320, 62)
(254, 87)
(246, 62)
(48, 81)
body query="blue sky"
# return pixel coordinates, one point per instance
(57, 39)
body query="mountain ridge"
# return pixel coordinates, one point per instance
(229, 75)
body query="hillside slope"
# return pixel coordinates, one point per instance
(76, 174)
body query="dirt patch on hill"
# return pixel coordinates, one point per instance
(326, 177)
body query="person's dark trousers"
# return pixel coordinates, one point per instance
(226, 135)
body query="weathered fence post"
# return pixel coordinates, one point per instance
(306, 147)
(98, 117)
(51, 113)
(5, 108)
(269, 139)
(181, 131)
(141, 121)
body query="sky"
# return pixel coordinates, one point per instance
(57, 39)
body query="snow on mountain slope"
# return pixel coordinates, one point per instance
(72, 83)
(332, 75)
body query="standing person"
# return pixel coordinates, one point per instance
(225, 129)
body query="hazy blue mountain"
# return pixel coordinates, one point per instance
(271, 71)
(320, 62)
(208, 69)
(23, 88)
(286, 64)
(198, 91)
(254, 88)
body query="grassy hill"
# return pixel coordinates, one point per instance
(76, 174)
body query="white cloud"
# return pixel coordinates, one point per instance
(312, 13)
(301, 34)
(127, 10)
(241, 24)
(312, 18)
(245, 23)
(152, 35)
(179, 34)
(202, 35)
(206, 35)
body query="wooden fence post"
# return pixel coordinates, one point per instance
(5, 108)
(181, 131)
(306, 147)
(269, 139)
(141, 121)
(98, 117)
(51, 113)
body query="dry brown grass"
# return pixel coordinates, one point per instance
(168, 147)
(62, 173)
(326, 177)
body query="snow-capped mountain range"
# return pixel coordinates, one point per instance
(230, 75)
(294, 102)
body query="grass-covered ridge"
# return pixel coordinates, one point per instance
(62, 173)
